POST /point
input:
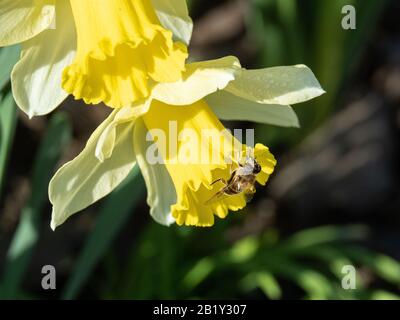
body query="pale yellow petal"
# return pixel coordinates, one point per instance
(21, 20)
(106, 142)
(174, 16)
(199, 80)
(227, 106)
(85, 179)
(161, 192)
(36, 78)
(277, 85)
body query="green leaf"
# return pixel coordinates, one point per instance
(314, 283)
(368, 14)
(8, 57)
(244, 250)
(8, 120)
(112, 217)
(317, 236)
(331, 255)
(265, 281)
(200, 271)
(20, 251)
(384, 266)
(384, 295)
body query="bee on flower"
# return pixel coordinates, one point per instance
(178, 191)
(131, 56)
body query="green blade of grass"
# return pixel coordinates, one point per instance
(384, 295)
(8, 57)
(368, 14)
(8, 120)
(264, 280)
(8, 111)
(198, 273)
(384, 266)
(314, 283)
(20, 251)
(320, 235)
(112, 217)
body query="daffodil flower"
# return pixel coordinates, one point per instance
(111, 51)
(178, 190)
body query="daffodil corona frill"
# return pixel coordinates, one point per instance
(110, 51)
(180, 186)
(122, 51)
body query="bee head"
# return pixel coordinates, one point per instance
(257, 167)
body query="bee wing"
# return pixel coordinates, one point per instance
(249, 193)
(216, 197)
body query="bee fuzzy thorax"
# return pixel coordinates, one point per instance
(242, 180)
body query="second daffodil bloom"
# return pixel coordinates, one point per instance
(110, 51)
(180, 186)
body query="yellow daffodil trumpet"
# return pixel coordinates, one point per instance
(193, 179)
(122, 49)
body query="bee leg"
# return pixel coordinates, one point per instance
(221, 179)
(238, 159)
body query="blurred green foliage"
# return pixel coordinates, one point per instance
(26, 236)
(309, 32)
(168, 263)
(180, 262)
(112, 216)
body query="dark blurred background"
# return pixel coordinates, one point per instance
(333, 200)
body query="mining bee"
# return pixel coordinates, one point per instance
(242, 179)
